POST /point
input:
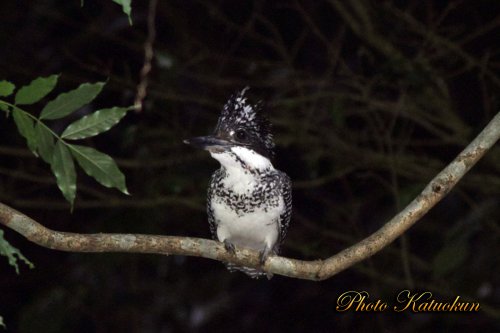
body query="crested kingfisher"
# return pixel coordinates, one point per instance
(249, 202)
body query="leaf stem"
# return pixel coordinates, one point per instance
(35, 119)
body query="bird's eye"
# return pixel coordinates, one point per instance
(241, 134)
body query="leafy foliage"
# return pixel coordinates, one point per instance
(12, 254)
(45, 142)
(6, 88)
(36, 90)
(94, 124)
(100, 166)
(25, 127)
(63, 168)
(126, 7)
(53, 148)
(66, 103)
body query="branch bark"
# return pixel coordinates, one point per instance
(310, 270)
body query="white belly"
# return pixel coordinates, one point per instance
(256, 230)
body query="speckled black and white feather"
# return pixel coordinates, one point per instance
(265, 194)
(249, 201)
(238, 114)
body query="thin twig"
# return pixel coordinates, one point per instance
(148, 57)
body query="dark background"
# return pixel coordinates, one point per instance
(369, 100)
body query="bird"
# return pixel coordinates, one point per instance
(249, 202)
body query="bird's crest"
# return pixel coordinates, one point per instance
(238, 114)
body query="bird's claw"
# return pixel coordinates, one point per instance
(264, 254)
(229, 246)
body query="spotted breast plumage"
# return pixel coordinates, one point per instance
(249, 202)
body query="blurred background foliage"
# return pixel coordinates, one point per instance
(369, 100)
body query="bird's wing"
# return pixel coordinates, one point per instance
(211, 190)
(286, 190)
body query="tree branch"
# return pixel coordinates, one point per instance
(311, 270)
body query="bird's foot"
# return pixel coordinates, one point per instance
(229, 246)
(264, 254)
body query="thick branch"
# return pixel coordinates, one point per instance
(311, 270)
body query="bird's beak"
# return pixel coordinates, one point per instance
(210, 143)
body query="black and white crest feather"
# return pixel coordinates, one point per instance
(238, 114)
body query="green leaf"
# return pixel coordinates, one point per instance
(12, 254)
(4, 107)
(95, 123)
(6, 88)
(126, 7)
(36, 90)
(2, 323)
(66, 103)
(45, 142)
(25, 127)
(99, 166)
(63, 168)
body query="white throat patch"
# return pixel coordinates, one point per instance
(240, 178)
(251, 159)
